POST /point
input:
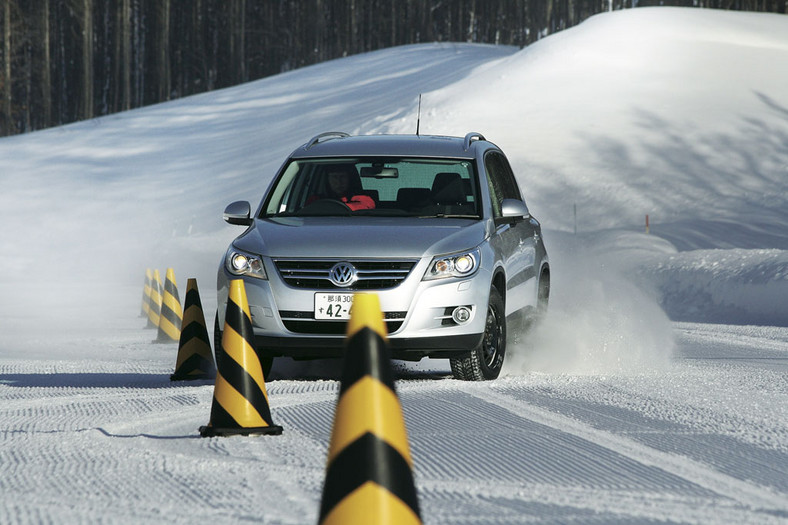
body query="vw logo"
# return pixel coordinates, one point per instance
(343, 274)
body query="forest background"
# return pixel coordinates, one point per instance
(68, 60)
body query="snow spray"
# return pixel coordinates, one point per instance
(598, 321)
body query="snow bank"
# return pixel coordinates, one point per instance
(724, 286)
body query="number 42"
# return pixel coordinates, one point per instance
(335, 310)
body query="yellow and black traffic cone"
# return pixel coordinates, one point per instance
(240, 399)
(171, 315)
(368, 478)
(146, 293)
(154, 307)
(195, 360)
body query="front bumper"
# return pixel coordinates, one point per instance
(417, 315)
(410, 349)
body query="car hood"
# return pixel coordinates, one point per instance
(346, 237)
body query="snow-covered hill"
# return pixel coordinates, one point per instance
(609, 413)
(681, 115)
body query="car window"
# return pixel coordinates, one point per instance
(392, 186)
(500, 180)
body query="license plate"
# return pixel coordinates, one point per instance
(333, 305)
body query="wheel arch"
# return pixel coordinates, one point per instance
(499, 281)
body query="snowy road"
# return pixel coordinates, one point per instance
(94, 431)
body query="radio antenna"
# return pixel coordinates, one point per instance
(418, 117)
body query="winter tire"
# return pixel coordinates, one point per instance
(485, 362)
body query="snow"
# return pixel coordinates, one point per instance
(655, 390)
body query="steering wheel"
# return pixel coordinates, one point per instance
(325, 207)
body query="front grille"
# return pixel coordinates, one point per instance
(305, 323)
(372, 274)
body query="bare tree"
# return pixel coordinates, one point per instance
(163, 51)
(87, 59)
(71, 59)
(124, 61)
(46, 66)
(6, 84)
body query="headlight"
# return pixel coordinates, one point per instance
(240, 263)
(456, 265)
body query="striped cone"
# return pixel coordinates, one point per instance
(240, 399)
(146, 293)
(154, 307)
(171, 315)
(195, 360)
(368, 477)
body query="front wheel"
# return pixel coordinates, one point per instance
(265, 362)
(485, 361)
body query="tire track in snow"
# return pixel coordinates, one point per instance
(493, 502)
(84, 410)
(475, 461)
(140, 447)
(745, 493)
(95, 436)
(510, 449)
(716, 438)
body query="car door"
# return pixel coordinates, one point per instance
(514, 239)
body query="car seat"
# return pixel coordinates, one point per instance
(448, 189)
(410, 199)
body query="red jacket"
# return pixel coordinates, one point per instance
(359, 202)
(355, 202)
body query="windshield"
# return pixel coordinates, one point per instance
(416, 187)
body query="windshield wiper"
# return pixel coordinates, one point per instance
(448, 216)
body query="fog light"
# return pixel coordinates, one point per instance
(461, 314)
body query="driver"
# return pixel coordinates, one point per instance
(345, 186)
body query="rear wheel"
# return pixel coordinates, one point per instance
(265, 362)
(485, 361)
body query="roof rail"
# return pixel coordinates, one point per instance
(470, 137)
(327, 134)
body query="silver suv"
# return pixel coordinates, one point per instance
(435, 226)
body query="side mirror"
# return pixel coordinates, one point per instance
(514, 209)
(238, 212)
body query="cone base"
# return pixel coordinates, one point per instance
(208, 431)
(164, 341)
(190, 377)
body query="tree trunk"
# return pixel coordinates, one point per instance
(46, 67)
(7, 121)
(87, 59)
(242, 43)
(164, 79)
(125, 62)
